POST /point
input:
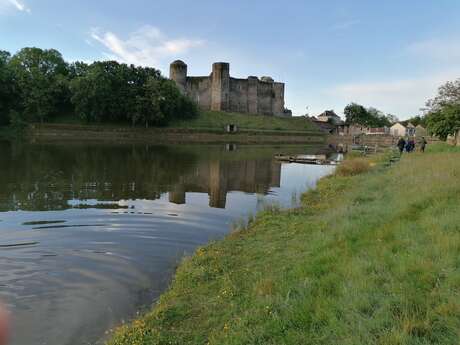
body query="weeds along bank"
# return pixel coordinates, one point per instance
(372, 257)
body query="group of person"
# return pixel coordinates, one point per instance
(409, 145)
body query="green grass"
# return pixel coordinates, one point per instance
(442, 147)
(372, 258)
(209, 120)
(212, 120)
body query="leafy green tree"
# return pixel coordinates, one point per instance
(376, 118)
(370, 117)
(6, 88)
(148, 110)
(108, 91)
(448, 94)
(41, 77)
(356, 114)
(443, 111)
(417, 120)
(392, 119)
(445, 121)
(37, 84)
(93, 92)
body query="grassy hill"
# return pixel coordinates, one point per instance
(213, 120)
(372, 257)
(216, 121)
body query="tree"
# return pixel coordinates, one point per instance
(108, 91)
(448, 94)
(356, 114)
(41, 77)
(417, 120)
(174, 104)
(376, 118)
(6, 88)
(148, 110)
(93, 92)
(445, 121)
(392, 119)
(370, 117)
(443, 111)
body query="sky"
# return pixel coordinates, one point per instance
(391, 55)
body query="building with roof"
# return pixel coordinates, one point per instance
(329, 116)
(400, 130)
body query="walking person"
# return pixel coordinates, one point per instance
(411, 145)
(401, 145)
(423, 143)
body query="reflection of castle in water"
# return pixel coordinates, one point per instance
(56, 177)
(217, 178)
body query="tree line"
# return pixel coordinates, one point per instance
(440, 116)
(38, 85)
(442, 113)
(369, 117)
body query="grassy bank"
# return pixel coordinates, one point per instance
(372, 257)
(214, 119)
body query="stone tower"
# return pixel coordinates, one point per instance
(178, 73)
(220, 88)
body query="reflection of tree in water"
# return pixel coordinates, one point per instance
(46, 177)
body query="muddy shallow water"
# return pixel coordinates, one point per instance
(91, 234)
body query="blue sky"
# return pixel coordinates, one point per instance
(388, 54)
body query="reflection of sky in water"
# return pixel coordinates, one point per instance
(97, 243)
(295, 179)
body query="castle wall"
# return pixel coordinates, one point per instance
(239, 95)
(199, 89)
(253, 100)
(265, 98)
(278, 101)
(220, 92)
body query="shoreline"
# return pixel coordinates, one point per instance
(323, 270)
(53, 132)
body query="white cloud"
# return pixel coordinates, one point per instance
(404, 97)
(146, 46)
(19, 5)
(443, 50)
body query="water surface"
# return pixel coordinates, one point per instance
(91, 234)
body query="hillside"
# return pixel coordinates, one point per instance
(370, 258)
(213, 120)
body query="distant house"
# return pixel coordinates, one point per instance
(420, 131)
(357, 129)
(410, 130)
(378, 131)
(351, 129)
(326, 127)
(329, 116)
(399, 130)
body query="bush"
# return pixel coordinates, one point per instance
(354, 166)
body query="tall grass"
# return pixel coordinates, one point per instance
(369, 259)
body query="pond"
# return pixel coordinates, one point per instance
(90, 234)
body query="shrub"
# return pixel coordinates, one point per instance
(354, 166)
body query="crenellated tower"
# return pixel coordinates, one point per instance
(178, 73)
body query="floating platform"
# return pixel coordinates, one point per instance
(306, 159)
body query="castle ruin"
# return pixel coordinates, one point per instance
(220, 92)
